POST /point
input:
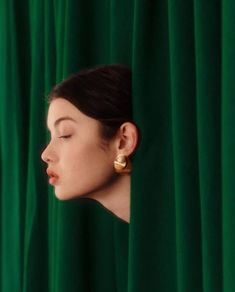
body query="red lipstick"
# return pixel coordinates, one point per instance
(53, 176)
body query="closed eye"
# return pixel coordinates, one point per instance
(65, 137)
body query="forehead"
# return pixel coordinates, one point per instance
(61, 107)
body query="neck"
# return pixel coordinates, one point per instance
(116, 197)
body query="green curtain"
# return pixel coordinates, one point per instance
(181, 234)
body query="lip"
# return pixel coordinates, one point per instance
(53, 176)
(53, 180)
(51, 173)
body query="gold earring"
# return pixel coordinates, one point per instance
(122, 164)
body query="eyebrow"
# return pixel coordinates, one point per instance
(56, 123)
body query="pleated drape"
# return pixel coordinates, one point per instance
(181, 234)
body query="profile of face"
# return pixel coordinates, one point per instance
(76, 152)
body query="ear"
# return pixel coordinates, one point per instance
(127, 138)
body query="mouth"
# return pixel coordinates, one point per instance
(53, 176)
(53, 180)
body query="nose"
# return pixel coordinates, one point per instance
(45, 157)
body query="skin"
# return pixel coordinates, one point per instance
(84, 161)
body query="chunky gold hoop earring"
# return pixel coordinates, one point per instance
(122, 164)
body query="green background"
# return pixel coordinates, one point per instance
(181, 236)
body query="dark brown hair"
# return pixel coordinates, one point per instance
(103, 92)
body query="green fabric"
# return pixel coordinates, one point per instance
(181, 235)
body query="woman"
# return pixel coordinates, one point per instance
(93, 137)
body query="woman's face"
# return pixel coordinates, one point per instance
(81, 161)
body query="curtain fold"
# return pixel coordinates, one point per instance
(185, 145)
(208, 99)
(152, 229)
(227, 144)
(181, 234)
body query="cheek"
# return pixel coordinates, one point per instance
(86, 168)
(90, 160)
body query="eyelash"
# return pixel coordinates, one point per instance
(65, 137)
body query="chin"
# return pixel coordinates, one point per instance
(64, 196)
